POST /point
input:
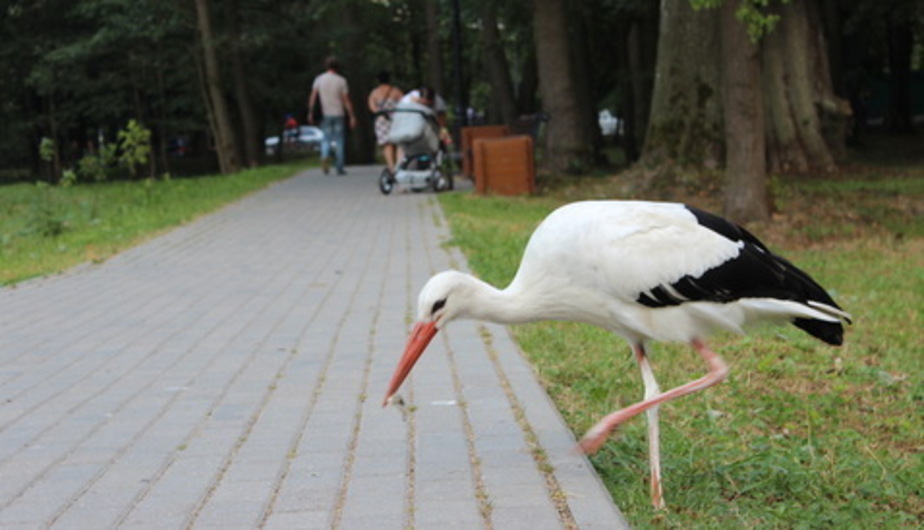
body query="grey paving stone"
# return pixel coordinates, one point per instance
(229, 374)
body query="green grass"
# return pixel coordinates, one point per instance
(801, 434)
(47, 229)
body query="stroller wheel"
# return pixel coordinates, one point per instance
(386, 181)
(441, 182)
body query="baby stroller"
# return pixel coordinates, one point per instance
(416, 132)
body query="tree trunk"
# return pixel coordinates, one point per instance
(250, 133)
(685, 126)
(643, 59)
(228, 160)
(800, 103)
(638, 60)
(417, 40)
(205, 141)
(360, 140)
(628, 110)
(434, 57)
(580, 49)
(568, 146)
(56, 166)
(746, 196)
(900, 33)
(163, 146)
(32, 102)
(528, 85)
(832, 21)
(498, 69)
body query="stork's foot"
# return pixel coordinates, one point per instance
(590, 444)
(594, 439)
(599, 433)
(657, 498)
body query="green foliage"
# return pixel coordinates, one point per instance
(752, 13)
(801, 435)
(134, 146)
(758, 22)
(44, 216)
(47, 148)
(95, 168)
(132, 149)
(68, 177)
(92, 62)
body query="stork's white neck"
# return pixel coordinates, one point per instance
(507, 306)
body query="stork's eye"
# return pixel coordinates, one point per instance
(437, 306)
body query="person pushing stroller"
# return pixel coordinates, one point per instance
(429, 97)
(418, 129)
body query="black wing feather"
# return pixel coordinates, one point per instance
(754, 273)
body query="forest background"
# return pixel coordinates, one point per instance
(753, 86)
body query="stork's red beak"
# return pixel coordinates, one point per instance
(421, 336)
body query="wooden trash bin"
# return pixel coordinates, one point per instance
(469, 135)
(504, 166)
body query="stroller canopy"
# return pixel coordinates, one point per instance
(414, 128)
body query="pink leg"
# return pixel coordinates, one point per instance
(654, 435)
(598, 434)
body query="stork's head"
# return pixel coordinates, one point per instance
(445, 297)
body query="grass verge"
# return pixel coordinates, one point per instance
(801, 434)
(47, 229)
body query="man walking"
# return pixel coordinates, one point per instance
(331, 88)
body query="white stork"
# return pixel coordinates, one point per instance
(646, 271)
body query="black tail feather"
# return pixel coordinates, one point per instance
(830, 332)
(755, 273)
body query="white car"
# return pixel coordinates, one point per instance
(609, 125)
(309, 138)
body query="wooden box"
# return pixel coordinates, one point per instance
(504, 166)
(469, 135)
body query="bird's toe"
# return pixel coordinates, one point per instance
(593, 440)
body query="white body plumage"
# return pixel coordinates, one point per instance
(591, 261)
(646, 271)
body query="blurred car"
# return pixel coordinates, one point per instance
(309, 138)
(609, 125)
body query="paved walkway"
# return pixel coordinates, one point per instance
(229, 374)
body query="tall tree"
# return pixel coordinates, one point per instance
(900, 38)
(528, 84)
(495, 59)
(361, 145)
(636, 63)
(798, 93)
(434, 46)
(222, 128)
(584, 75)
(250, 136)
(685, 125)
(689, 102)
(568, 144)
(746, 196)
